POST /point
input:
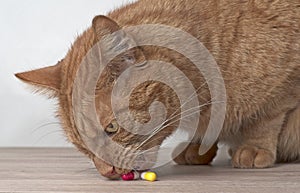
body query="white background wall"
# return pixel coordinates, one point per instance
(36, 34)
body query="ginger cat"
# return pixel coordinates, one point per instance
(256, 44)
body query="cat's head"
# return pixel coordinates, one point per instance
(59, 81)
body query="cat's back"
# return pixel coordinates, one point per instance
(255, 43)
(238, 33)
(220, 24)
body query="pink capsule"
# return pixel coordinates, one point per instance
(131, 176)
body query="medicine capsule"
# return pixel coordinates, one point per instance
(131, 176)
(149, 176)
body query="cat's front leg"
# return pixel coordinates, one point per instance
(259, 146)
(190, 155)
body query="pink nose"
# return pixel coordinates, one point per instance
(111, 174)
(105, 169)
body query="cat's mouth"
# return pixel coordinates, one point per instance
(142, 162)
(107, 170)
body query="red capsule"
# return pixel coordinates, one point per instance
(130, 176)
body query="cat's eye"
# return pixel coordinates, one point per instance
(112, 128)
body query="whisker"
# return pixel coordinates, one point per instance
(44, 125)
(198, 107)
(181, 118)
(153, 140)
(194, 94)
(173, 114)
(47, 134)
(158, 128)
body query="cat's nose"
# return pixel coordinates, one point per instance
(105, 169)
(111, 174)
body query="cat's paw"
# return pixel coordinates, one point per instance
(190, 155)
(252, 157)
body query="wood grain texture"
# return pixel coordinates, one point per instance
(48, 170)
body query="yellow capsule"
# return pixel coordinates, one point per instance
(149, 176)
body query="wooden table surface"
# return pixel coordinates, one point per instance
(45, 170)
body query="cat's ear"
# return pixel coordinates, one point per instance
(48, 78)
(103, 25)
(119, 42)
